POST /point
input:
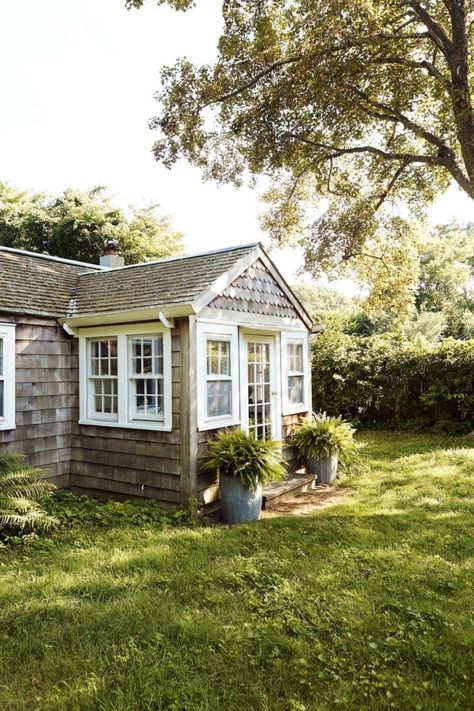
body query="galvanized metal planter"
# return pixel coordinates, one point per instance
(325, 469)
(238, 504)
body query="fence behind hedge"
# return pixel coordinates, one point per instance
(388, 380)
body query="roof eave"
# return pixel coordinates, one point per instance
(109, 318)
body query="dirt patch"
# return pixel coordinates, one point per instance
(307, 503)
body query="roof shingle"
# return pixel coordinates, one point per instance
(45, 286)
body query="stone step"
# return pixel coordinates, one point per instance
(293, 484)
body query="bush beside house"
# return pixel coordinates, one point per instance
(390, 381)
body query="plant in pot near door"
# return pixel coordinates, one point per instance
(244, 465)
(324, 442)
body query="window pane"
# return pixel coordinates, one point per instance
(218, 357)
(105, 396)
(219, 398)
(147, 355)
(2, 412)
(1, 357)
(295, 357)
(103, 355)
(295, 389)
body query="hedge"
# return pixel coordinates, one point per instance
(388, 380)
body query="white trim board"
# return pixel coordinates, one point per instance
(7, 335)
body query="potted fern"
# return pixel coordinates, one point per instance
(244, 465)
(324, 442)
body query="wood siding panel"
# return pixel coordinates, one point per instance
(132, 463)
(46, 396)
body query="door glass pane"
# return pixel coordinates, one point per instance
(259, 389)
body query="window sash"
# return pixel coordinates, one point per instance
(218, 373)
(295, 373)
(102, 363)
(146, 378)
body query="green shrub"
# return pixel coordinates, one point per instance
(391, 380)
(254, 461)
(323, 436)
(22, 491)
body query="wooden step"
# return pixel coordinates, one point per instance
(293, 484)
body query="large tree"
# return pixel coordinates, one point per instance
(76, 225)
(347, 105)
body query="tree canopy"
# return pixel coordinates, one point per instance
(349, 107)
(76, 225)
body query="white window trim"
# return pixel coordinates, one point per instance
(7, 334)
(216, 331)
(123, 333)
(299, 407)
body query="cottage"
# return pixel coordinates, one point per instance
(114, 377)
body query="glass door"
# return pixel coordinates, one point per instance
(260, 397)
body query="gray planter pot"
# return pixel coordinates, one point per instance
(325, 469)
(239, 504)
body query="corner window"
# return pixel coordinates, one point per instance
(128, 376)
(218, 384)
(7, 377)
(295, 373)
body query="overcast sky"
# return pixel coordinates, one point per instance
(77, 85)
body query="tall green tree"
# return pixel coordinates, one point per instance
(76, 225)
(351, 106)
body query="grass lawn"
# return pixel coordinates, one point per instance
(364, 605)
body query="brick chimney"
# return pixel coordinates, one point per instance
(111, 257)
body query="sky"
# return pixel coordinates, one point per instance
(77, 85)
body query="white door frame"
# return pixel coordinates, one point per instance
(275, 380)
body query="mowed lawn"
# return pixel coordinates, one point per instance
(367, 604)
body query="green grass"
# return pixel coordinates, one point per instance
(364, 605)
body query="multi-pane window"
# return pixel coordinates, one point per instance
(146, 377)
(218, 383)
(125, 376)
(103, 378)
(295, 372)
(218, 377)
(7, 376)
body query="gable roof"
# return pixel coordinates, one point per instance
(76, 292)
(36, 283)
(167, 282)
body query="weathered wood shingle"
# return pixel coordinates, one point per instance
(256, 291)
(36, 284)
(155, 284)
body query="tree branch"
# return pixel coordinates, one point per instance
(337, 151)
(435, 30)
(387, 190)
(413, 64)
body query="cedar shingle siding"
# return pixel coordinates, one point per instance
(255, 291)
(46, 395)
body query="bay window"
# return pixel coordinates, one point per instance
(7, 376)
(125, 376)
